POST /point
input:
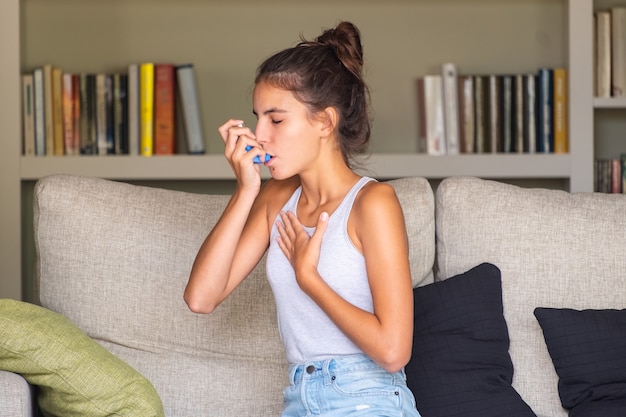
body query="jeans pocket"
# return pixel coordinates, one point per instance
(360, 384)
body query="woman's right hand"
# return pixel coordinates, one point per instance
(236, 137)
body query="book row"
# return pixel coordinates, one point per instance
(148, 109)
(610, 175)
(610, 52)
(495, 113)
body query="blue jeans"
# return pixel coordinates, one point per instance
(347, 386)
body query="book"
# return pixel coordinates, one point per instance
(603, 53)
(545, 113)
(530, 113)
(560, 110)
(68, 114)
(87, 117)
(146, 108)
(190, 106)
(466, 113)
(133, 109)
(622, 158)
(120, 114)
(430, 115)
(57, 111)
(481, 117)
(40, 112)
(518, 136)
(48, 108)
(104, 114)
(164, 109)
(508, 114)
(449, 79)
(616, 176)
(495, 116)
(28, 115)
(618, 51)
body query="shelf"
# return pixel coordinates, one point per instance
(609, 103)
(215, 167)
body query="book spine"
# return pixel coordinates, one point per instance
(495, 119)
(603, 53)
(618, 51)
(133, 109)
(560, 111)
(49, 109)
(545, 92)
(76, 107)
(188, 90)
(68, 113)
(530, 113)
(507, 114)
(146, 106)
(519, 113)
(28, 115)
(482, 113)
(616, 176)
(431, 90)
(466, 113)
(449, 78)
(40, 112)
(120, 113)
(101, 114)
(164, 102)
(57, 112)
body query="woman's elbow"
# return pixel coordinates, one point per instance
(198, 304)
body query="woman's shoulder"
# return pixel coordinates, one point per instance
(376, 198)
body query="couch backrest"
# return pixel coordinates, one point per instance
(114, 258)
(554, 249)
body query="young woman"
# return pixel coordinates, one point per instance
(337, 248)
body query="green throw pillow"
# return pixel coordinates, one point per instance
(75, 375)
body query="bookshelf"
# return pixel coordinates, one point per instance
(559, 34)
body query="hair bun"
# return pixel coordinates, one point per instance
(345, 40)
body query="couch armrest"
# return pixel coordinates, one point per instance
(17, 397)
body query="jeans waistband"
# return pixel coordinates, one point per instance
(328, 367)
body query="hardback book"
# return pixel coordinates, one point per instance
(518, 136)
(430, 115)
(616, 176)
(622, 158)
(68, 113)
(164, 109)
(545, 114)
(530, 113)
(87, 117)
(618, 51)
(57, 111)
(508, 114)
(146, 108)
(603, 53)
(133, 109)
(104, 114)
(560, 110)
(48, 108)
(466, 113)
(40, 112)
(28, 115)
(495, 115)
(120, 114)
(449, 77)
(481, 108)
(190, 106)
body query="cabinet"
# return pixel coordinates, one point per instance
(226, 40)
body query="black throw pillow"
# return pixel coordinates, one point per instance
(588, 350)
(460, 364)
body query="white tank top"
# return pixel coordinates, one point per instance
(306, 331)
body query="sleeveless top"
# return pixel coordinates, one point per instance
(306, 331)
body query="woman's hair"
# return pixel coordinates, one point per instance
(327, 72)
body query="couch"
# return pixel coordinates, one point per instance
(114, 259)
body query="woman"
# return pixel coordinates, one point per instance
(337, 248)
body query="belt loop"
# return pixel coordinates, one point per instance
(292, 374)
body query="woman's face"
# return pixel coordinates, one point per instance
(285, 130)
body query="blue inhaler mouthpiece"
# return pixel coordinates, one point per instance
(257, 160)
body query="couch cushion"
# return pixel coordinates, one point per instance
(553, 248)
(115, 259)
(588, 349)
(461, 349)
(74, 375)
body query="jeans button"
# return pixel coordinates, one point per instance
(310, 369)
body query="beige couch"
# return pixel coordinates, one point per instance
(114, 258)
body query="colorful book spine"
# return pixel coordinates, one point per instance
(40, 112)
(57, 111)
(188, 90)
(146, 106)
(120, 113)
(49, 109)
(164, 109)
(560, 111)
(28, 115)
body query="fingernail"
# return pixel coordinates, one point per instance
(324, 216)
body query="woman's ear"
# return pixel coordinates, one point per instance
(329, 119)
